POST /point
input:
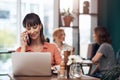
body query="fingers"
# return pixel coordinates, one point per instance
(24, 36)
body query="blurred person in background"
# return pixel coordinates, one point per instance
(58, 39)
(104, 57)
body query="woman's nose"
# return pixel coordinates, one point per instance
(31, 30)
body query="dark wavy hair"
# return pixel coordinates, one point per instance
(33, 19)
(102, 35)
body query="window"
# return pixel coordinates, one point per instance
(68, 31)
(72, 31)
(85, 21)
(8, 23)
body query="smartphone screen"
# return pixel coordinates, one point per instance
(28, 39)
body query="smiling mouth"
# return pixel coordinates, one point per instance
(33, 35)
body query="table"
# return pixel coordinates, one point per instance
(86, 63)
(54, 77)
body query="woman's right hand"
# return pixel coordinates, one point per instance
(23, 40)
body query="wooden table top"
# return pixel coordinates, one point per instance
(54, 77)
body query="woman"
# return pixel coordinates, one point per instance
(32, 40)
(104, 58)
(58, 39)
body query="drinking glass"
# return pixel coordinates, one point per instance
(75, 70)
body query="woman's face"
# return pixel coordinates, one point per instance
(94, 37)
(34, 31)
(60, 37)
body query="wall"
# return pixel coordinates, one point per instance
(109, 16)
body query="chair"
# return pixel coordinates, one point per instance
(6, 52)
(92, 49)
(113, 74)
(7, 75)
(118, 57)
(47, 39)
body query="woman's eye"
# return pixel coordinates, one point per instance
(35, 26)
(28, 28)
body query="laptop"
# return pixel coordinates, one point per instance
(31, 63)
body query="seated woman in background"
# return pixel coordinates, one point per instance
(58, 39)
(104, 57)
(32, 39)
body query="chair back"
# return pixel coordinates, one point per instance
(92, 49)
(118, 57)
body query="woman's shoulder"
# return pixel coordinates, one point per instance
(67, 45)
(49, 44)
(28, 48)
(106, 45)
(18, 49)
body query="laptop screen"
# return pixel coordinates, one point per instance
(31, 63)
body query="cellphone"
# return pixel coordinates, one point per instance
(27, 37)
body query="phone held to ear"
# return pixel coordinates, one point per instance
(28, 39)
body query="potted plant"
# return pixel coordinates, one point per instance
(68, 17)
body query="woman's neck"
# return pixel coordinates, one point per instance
(36, 45)
(60, 44)
(36, 42)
